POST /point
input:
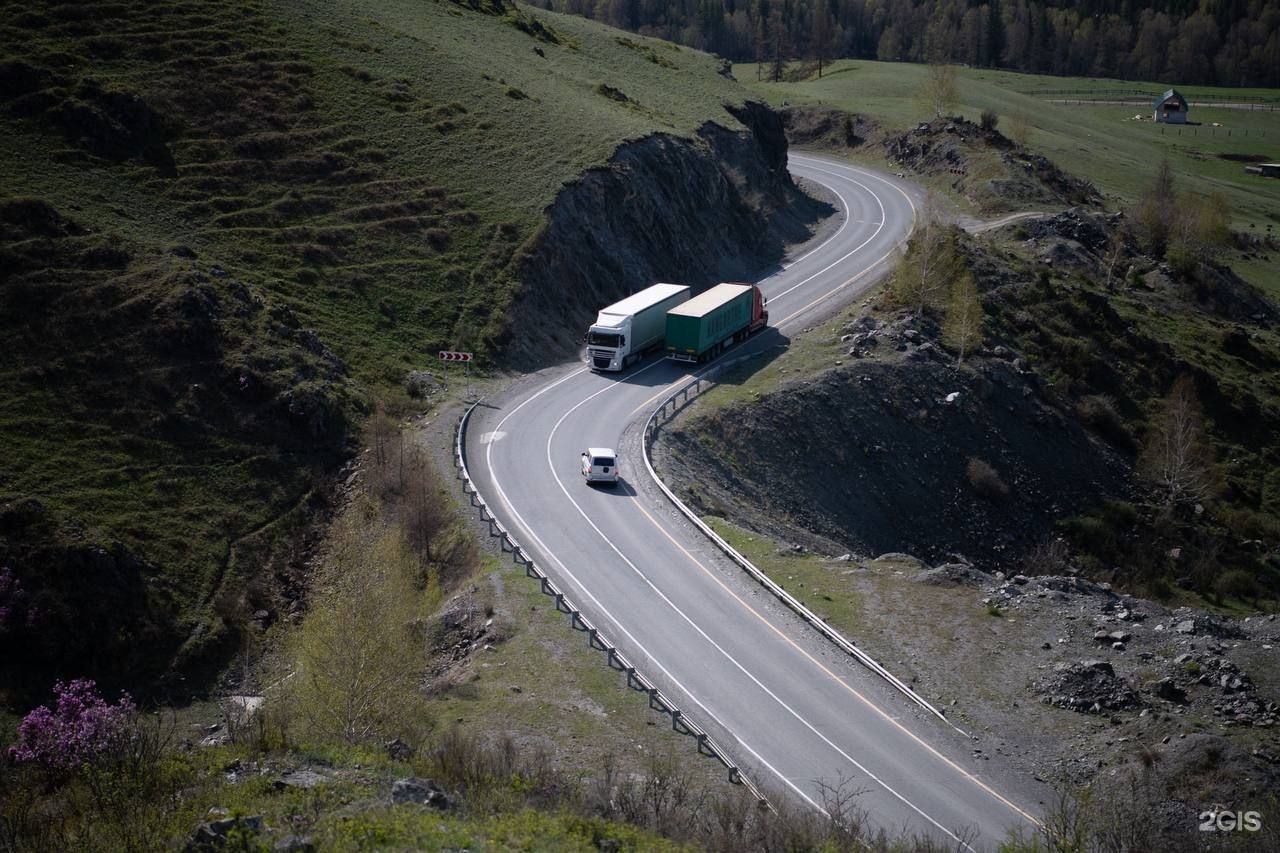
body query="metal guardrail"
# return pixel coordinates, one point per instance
(680, 721)
(842, 642)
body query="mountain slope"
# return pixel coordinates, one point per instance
(229, 228)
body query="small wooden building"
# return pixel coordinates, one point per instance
(1170, 107)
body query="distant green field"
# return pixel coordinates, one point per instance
(1099, 142)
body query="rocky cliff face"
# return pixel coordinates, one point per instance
(719, 207)
(880, 456)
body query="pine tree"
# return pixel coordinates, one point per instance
(780, 44)
(823, 24)
(995, 35)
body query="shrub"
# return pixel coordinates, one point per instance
(438, 238)
(357, 73)
(1098, 412)
(989, 120)
(1051, 557)
(78, 730)
(1237, 583)
(1160, 589)
(986, 480)
(611, 93)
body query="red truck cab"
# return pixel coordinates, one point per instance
(759, 310)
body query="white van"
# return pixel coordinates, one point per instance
(600, 465)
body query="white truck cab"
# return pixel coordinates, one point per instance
(625, 330)
(607, 342)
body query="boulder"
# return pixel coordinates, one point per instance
(423, 792)
(953, 574)
(398, 750)
(300, 779)
(1168, 689)
(1087, 687)
(213, 835)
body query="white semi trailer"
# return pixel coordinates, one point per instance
(625, 330)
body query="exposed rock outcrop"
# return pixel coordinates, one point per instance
(716, 208)
(861, 453)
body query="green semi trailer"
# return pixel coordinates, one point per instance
(702, 327)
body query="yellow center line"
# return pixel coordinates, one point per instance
(833, 676)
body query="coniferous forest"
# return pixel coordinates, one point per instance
(1212, 42)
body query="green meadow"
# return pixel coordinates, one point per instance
(1100, 142)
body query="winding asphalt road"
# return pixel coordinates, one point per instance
(793, 712)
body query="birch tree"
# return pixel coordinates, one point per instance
(962, 330)
(356, 661)
(1177, 457)
(940, 90)
(924, 275)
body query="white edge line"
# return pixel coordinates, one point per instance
(702, 633)
(526, 528)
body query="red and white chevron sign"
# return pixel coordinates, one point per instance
(448, 355)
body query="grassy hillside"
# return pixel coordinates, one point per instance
(225, 229)
(1099, 142)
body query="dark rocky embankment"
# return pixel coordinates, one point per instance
(718, 207)
(879, 457)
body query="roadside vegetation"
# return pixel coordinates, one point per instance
(413, 705)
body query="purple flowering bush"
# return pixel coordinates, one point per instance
(78, 730)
